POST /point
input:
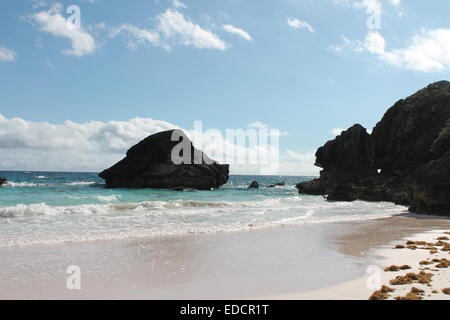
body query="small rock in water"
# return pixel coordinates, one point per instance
(253, 185)
(3, 181)
(278, 184)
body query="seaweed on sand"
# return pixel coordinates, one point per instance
(397, 268)
(443, 263)
(421, 277)
(381, 294)
(414, 294)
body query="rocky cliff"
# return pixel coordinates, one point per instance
(405, 160)
(149, 164)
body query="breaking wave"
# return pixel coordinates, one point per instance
(22, 184)
(13, 184)
(89, 222)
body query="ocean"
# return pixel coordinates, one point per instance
(43, 208)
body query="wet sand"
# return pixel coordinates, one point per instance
(284, 262)
(377, 242)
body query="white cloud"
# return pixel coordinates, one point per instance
(375, 43)
(113, 136)
(136, 36)
(395, 3)
(178, 4)
(237, 31)
(337, 131)
(428, 51)
(307, 157)
(39, 4)
(346, 43)
(371, 6)
(296, 163)
(173, 28)
(298, 24)
(257, 125)
(94, 146)
(52, 21)
(7, 55)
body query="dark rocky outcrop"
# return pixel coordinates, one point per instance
(278, 184)
(405, 160)
(253, 185)
(3, 181)
(149, 164)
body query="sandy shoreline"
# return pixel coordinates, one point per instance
(322, 261)
(386, 260)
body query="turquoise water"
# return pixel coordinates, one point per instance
(70, 189)
(55, 207)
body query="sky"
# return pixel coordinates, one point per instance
(81, 81)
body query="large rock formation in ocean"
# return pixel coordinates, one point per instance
(406, 158)
(150, 164)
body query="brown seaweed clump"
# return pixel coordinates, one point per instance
(394, 268)
(381, 294)
(419, 243)
(443, 238)
(409, 296)
(425, 262)
(417, 291)
(399, 246)
(443, 263)
(405, 267)
(421, 277)
(441, 243)
(429, 248)
(446, 291)
(414, 294)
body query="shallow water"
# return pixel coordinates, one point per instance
(54, 207)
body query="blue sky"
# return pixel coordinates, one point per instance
(305, 67)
